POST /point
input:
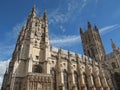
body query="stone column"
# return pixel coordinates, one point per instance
(82, 82)
(98, 83)
(104, 83)
(74, 86)
(61, 81)
(91, 83)
(29, 65)
(28, 84)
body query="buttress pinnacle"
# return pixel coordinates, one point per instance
(33, 12)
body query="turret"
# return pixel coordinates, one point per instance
(45, 15)
(89, 26)
(33, 12)
(113, 45)
(81, 31)
(31, 17)
(95, 28)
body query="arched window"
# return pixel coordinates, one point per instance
(65, 76)
(76, 80)
(92, 52)
(88, 52)
(37, 69)
(85, 80)
(53, 73)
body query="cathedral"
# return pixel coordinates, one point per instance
(36, 65)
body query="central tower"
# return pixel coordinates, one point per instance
(92, 43)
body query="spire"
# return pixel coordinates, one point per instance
(95, 27)
(89, 26)
(81, 31)
(33, 12)
(45, 15)
(59, 50)
(31, 16)
(113, 45)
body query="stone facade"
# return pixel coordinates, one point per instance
(36, 65)
(112, 64)
(93, 47)
(92, 43)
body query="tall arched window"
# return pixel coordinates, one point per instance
(88, 52)
(53, 73)
(65, 76)
(76, 80)
(85, 79)
(37, 69)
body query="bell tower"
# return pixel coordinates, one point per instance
(92, 43)
(31, 55)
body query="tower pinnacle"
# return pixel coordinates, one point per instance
(113, 45)
(89, 25)
(33, 12)
(81, 31)
(95, 27)
(45, 15)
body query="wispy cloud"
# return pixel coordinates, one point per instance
(6, 50)
(3, 66)
(74, 39)
(57, 16)
(8, 44)
(13, 34)
(62, 28)
(65, 40)
(109, 28)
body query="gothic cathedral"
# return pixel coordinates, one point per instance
(36, 65)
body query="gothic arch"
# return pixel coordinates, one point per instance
(66, 83)
(37, 69)
(53, 73)
(76, 79)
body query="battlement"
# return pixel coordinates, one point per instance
(74, 57)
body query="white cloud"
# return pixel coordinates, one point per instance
(72, 6)
(6, 46)
(3, 66)
(65, 40)
(6, 50)
(74, 39)
(62, 28)
(13, 34)
(109, 28)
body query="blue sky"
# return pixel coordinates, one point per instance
(65, 17)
